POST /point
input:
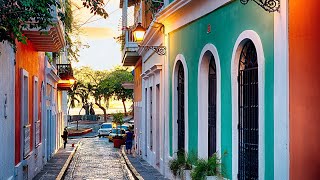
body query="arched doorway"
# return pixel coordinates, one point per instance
(181, 108)
(248, 113)
(212, 107)
(209, 102)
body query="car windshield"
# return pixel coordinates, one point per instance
(123, 127)
(104, 126)
(115, 131)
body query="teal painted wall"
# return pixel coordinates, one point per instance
(227, 23)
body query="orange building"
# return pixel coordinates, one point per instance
(304, 89)
(40, 103)
(29, 72)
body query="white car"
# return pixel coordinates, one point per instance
(105, 129)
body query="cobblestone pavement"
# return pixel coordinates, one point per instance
(96, 159)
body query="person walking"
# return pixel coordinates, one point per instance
(129, 139)
(65, 137)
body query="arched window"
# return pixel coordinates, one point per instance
(212, 107)
(248, 127)
(181, 106)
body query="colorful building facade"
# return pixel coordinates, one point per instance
(34, 100)
(7, 115)
(224, 85)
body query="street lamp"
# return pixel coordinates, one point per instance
(138, 33)
(138, 36)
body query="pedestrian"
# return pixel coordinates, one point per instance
(65, 137)
(129, 139)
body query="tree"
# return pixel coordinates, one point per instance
(114, 83)
(99, 93)
(73, 96)
(14, 15)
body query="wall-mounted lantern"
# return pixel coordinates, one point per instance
(138, 36)
(268, 5)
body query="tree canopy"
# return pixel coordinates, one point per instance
(101, 85)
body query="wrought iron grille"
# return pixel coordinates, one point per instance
(180, 120)
(267, 5)
(65, 71)
(248, 126)
(212, 111)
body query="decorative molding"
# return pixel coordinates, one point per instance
(154, 69)
(181, 12)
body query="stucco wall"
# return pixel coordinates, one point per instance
(304, 89)
(32, 62)
(28, 59)
(227, 23)
(7, 124)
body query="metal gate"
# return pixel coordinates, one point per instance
(248, 126)
(212, 111)
(180, 120)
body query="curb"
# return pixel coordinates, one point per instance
(67, 163)
(133, 170)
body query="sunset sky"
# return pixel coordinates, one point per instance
(99, 33)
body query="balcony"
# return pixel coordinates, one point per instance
(65, 73)
(50, 39)
(130, 54)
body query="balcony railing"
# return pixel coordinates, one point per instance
(130, 50)
(65, 71)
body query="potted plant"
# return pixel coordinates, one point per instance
(118, 140)
(181, 165)
(208, 169)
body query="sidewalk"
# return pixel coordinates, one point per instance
(55, 165)
(143, 168)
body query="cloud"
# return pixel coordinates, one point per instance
(97, 32)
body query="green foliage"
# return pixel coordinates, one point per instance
(118, 119)
(154, 6)
(183, 161)
(210, 167)
(86, 74)
(49, 56)
(114, 80)
(16, 15)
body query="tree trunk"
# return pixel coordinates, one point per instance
(104, 111)
(124, 107)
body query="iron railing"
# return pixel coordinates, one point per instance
(65, 71)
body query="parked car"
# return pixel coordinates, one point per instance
(115, 132)
(105, 129)
(125, 127)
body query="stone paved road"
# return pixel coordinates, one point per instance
(96, 159)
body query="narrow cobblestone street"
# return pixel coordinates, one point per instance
(96, 159)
